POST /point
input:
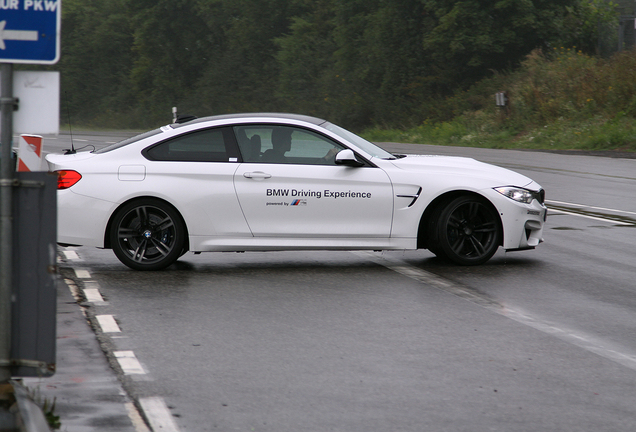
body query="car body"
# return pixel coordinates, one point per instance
(271, 181)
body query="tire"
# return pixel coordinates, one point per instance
(468, 231)
(147, 234)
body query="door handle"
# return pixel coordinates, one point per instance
(257, 175)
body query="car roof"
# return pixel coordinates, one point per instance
(259, 115)
(281, 116)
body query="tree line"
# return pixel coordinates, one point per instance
(360, 63)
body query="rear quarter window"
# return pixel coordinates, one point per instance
(210, 145)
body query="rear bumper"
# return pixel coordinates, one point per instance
(81, 220)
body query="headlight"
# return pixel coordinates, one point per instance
(517, 194)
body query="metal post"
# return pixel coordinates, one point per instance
(7, 174)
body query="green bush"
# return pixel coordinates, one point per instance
(563, 99)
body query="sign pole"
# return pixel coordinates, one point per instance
(7, 174)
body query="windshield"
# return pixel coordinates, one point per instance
(128, 141)
(363, 144)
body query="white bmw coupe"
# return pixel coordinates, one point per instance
(265, 182)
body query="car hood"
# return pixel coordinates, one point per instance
(462, 167)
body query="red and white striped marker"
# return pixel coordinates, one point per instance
(30, 153)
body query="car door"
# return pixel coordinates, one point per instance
(297, 190)
(197, 169)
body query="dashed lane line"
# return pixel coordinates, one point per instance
(158, 414)
(92, 294)
(154, 409)
(108, 324)
(129, 363)
(82, 274)
(71, 255)
(580, 339)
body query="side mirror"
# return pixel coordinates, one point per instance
(347, 158)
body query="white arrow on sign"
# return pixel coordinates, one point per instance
(23, 35)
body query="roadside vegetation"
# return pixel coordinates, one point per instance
(562, 99)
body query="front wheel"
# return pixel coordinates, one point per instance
(147, 234)
(468, 231)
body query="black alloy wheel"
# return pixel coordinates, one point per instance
(147, 234)
(468, 231)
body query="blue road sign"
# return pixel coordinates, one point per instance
(30, 31)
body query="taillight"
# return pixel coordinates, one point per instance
(67, 178)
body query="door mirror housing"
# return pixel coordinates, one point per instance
(347, 158)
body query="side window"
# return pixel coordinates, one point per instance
(210, 145)
(285, 144)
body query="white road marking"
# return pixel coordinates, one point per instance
(82, 274)
(108, 323)
(128, 362)
(590, 343)
(71, 255)
(93, 288)
(598, 217)
(591, 207)
(93, 295)
(154, 408)
(608, 220)
(158, 414)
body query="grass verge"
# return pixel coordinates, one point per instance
(560, 100)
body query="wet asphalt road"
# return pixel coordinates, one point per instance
(531, 341)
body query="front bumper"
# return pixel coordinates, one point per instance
(522, 223)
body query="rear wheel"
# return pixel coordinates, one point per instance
(147, 234)
(467, 231)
